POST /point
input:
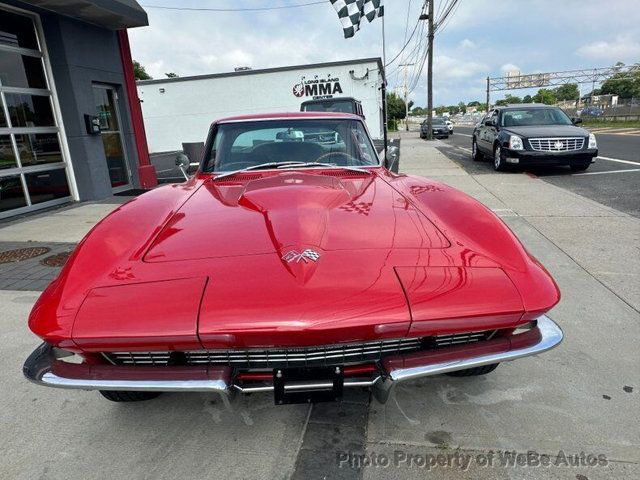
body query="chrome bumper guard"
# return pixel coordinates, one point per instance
(45, 367)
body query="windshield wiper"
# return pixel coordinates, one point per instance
(323, 165)
(256, 167)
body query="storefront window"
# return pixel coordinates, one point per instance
(38, 148)
(7, 156)
(11, 193)
(29, 110)
(18, 70)
(45, 186)
(17, 31)
(32, 164)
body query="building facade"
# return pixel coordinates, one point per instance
(69, 129)
(180, 110)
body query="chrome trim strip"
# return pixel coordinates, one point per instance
(39, 368)
(550, 336)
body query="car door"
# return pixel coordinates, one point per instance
(489, 132)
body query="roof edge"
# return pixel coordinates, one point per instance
(360, 61)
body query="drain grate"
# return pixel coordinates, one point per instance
(20, 254)
(57, 260)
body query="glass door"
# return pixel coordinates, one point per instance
(106, 102)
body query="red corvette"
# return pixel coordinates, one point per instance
(293, 262)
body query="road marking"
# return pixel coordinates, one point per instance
(619, 160)
(608, 171)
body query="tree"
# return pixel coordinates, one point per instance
(623, 85)
(419, 112)
(462, 108)
(568, 91)
(508, 99)
(172, 75)
(395, 107)
(546, 96)
(527, 99)
(440, 110)
(139, 72)
(475, 103)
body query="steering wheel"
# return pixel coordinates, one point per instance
(329, 154)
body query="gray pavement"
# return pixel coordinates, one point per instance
(614, 180)
(580, 397)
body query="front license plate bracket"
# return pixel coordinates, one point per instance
(307, 385)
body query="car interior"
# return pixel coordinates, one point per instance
(341, 143)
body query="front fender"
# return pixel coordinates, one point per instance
(110, 248)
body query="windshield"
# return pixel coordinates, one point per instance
(534, 116)
(246, 144)
(344, 106)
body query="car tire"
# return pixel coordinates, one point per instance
(476, 154)
(498, 162)
(119, 396)
(473, 372)
(580, 167)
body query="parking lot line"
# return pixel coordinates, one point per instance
(618, 160)
(607, 171)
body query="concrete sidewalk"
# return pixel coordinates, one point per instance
(580, 397)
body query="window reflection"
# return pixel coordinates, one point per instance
(7, 157)
(17, 31)
(21, 71)
(11, 193)
(35, 149)
(29, 110)
(45, 186)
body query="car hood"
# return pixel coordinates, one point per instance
(548, 131)
(259, 213)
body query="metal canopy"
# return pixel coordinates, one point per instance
(111, 14)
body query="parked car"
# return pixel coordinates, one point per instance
(449, 124)
(592, 112)
(532, 135)
(439, 127)
(294, 267)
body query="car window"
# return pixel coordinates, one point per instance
(239, 145)
(342, 106)
(534, 116)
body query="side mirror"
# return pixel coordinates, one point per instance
(576, 120)
(183, 163)
(489, 123)
(391, 159)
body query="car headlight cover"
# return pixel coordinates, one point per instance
(592, 141)
(515, 143)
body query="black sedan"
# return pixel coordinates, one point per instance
(533, 135)
(440, 128)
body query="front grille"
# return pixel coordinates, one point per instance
(305, 356)
(562, 144)
(317, 356)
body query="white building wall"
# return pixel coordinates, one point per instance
(182, 111)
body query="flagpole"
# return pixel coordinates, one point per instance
(384, 86)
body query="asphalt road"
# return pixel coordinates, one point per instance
(614, 180)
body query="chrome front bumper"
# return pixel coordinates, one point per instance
(46, 367)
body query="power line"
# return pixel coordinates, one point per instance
(251, 9)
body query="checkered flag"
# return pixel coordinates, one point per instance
(350, 12)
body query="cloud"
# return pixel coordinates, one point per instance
(453, 68)
(509, 67)
(467, 44)
(622, 48)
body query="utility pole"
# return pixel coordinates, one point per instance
(406, 95)
(430, 73)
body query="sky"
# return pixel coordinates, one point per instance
(482, 38)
